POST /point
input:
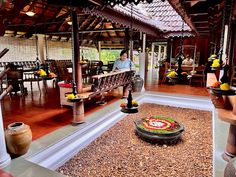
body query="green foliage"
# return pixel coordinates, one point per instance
(109, 55)
(89, 53)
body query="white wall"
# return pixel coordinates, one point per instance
(25, 49)
(19, 49)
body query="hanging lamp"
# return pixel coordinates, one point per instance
(180, 55)
(194, 60)
(37, 52)
(131, 106)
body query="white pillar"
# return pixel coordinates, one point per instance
(165, 52)
(5, 159)
(159, 53)
(41, 48)
(225, 43)
(152, 56)
(99, 50)
(142, 61)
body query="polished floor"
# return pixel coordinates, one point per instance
(44, 114)
(153, 84)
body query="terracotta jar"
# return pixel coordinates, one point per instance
(18, 138)
(137, 83)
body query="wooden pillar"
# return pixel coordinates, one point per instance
(131, 49)
(99, 50)
(126, 40)
(146, 60)
(4, 156)
(152, 56)
(142, 61)
(78, 107)
(41, 47)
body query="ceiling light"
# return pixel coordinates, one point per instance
(69, 22)
(30, 13)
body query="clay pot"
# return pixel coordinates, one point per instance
(137, 83)
(230, 169)
(18, 138)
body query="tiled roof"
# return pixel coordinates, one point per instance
(158, 14)
(164, 12)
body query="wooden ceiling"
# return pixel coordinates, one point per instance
(52, 20)
(205, 15)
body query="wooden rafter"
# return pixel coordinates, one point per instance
(115, 26)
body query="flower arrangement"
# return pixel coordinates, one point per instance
(222, 86)
(83, 62)
(52, 75)
(43, 73)
(134, 104)
(212, 57)
(216, 63)
(158, 124)
(71, 97)
(184, 73)
(172, 74)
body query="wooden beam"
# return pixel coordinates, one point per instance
(115, 16)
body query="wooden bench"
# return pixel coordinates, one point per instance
(101, 83)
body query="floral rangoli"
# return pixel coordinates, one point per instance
(157, 128)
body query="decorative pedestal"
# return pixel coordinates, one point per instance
(129, 110)
(225, 104)
(158, 129)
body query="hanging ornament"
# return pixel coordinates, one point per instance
(180, 55)
(132, 105)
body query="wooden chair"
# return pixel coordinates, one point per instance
(31, 77)
(62, 71)
(15, 78)
(198, 77)
(164, 74)
(110, 65)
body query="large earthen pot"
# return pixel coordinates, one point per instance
(230, 169)
(137, 83)
(18, 138)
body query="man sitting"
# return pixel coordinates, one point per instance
(188, 61)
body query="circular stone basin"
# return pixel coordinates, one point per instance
(158, 129)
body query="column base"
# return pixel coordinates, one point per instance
(77, 123)
(78, 113)
(6, 161)
(227, 156)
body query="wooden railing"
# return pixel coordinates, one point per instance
(101, 83)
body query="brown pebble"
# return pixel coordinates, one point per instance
(119, 152)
